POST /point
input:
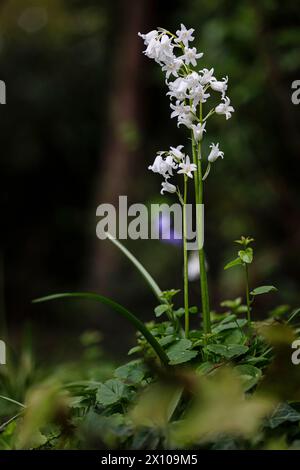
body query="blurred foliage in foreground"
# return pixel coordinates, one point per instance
(244, 393)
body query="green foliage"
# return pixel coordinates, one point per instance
(249, 375)
(246, 255)
(235, 262)
(111, 392)
(263, 290)
(228, 351)
(180, 352)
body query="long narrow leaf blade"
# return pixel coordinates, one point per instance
(149, 279)
(118, 309)
(2, 397)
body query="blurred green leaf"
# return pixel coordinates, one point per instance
(249, 375)
(263, 290)
(235, 262)
(160, 310)
(246, 255)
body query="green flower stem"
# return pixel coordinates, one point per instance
(185, 263)
(199, 200)
(247, 294)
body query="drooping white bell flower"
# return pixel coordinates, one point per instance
(177, 153)
(215, 153)
(170, 164)
(157, 164)
(148, 36)
(198, 130)
(184, 35)
(206, 76)
(168, 187)
(187, 167)
(220, 85)
(165, 50)
(179, 109)
(192, 79)
(225, 108)
(178, 89)
(163, 166)
(198, 95)
(186, 120)
(191, 55)
(160, 49)
(172, 67)
(151, 50)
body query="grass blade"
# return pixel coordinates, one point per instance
(118, 309)
(4, 425)
(149, 279)
(15, 402)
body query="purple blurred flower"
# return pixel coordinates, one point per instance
(167, 233)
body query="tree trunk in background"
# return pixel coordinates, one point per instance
(121, 150)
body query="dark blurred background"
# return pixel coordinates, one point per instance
(86, 113)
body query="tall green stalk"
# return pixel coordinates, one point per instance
(185, 263)
(247, 294)
(196, 149)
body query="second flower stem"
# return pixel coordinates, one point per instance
(185, 263)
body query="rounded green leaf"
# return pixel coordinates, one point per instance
(246, 255)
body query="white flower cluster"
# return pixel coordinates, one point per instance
(189, 88)
(168, 161)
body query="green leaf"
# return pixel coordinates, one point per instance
(180, 352)
(231, 264)
(133, 372)
(246, 255)
(263, 290)
(235, 337)
(205, 368)
(229, 325)
(228, 351)
(118, 309)
(149, 279)
(134, 350)
(207, 171)
(232, 304)
(165, 340)
(293, 315)
(111, 392)
(249, 375)
(279, 311)
(179, 312)
(160, 309)
(2, 397)
(193, 310)
(283, 413)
